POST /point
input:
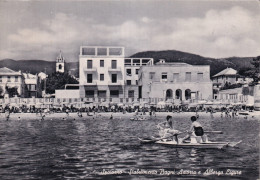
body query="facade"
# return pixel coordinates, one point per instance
(228, 76)
(60, 63)
(243, 95)
(33, 85)
(10, 79)
(101, 72)
(132, 66)
(170, 81)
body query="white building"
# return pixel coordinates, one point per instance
(101, 72)
(132, 66)
(229, 76)
(11, 79)
(33, 86)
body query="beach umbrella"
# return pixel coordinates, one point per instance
(120, 104)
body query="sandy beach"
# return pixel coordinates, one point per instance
(106, 115)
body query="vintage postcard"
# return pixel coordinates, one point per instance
(127, 89)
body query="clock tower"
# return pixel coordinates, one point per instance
(60, 63)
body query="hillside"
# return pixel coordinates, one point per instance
(36, 66)
(216, 65)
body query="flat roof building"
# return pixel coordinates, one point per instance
(169, 81)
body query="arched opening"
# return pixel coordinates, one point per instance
(178, 94)
(187, 94)
(169, 94)
(60, 66)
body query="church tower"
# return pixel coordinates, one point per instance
(60, 63)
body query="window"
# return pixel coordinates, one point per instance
(89, 93)
(16, 78)
(89, 78)
(33, 87)
(136, 71)
(151, 75)
(188, 76)
(8, 78)
(1, 79)
(102, 94)
(101, 63)
(114, 64)
(128, 72)
(60, 66)
(136, 82)
(164, 76)
(175, 77)
(101, 78)
(200, 76)
(89, 64)
(128, 82)
(131, 94)
(114, 93)
(114, 78)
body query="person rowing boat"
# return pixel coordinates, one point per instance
(167, 130)
(195, 130)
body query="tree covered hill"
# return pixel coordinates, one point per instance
(36, 66)
(216, 65)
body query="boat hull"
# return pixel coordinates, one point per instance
(207, 145)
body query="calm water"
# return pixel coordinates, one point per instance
(82, 148)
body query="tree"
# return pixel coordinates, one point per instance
(256, 69)
(253, 72)
(12, 91)
(58, 80)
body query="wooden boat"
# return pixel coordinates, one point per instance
(206, 145)
(138, 119)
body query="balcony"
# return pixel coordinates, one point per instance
(118, 69)
(118, 83)
(90, 69)
(94, 83)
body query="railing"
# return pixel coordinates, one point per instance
(117, 69)
(99, 100)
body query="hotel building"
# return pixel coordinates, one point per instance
(101, 72)
(169, 81)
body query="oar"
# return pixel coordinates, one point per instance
(156, 139)
(214, 132)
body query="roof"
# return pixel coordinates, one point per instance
(7, 71)
(172, 64)
(226, 72)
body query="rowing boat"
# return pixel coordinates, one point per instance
(206, 145)
(138, 119)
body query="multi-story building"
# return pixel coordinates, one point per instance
(229, 76)
(132, 66)
(175, 81)
(33, 86)
(11, 79)
(101, 72)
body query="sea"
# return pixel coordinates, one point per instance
(103, 148)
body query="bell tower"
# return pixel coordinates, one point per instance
(60, 63)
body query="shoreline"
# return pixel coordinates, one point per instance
(74, 115)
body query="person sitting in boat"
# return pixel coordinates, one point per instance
(195, 130)
(166, 129)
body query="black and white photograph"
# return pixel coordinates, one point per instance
(128, 89)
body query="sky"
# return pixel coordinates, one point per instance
(210, 28)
